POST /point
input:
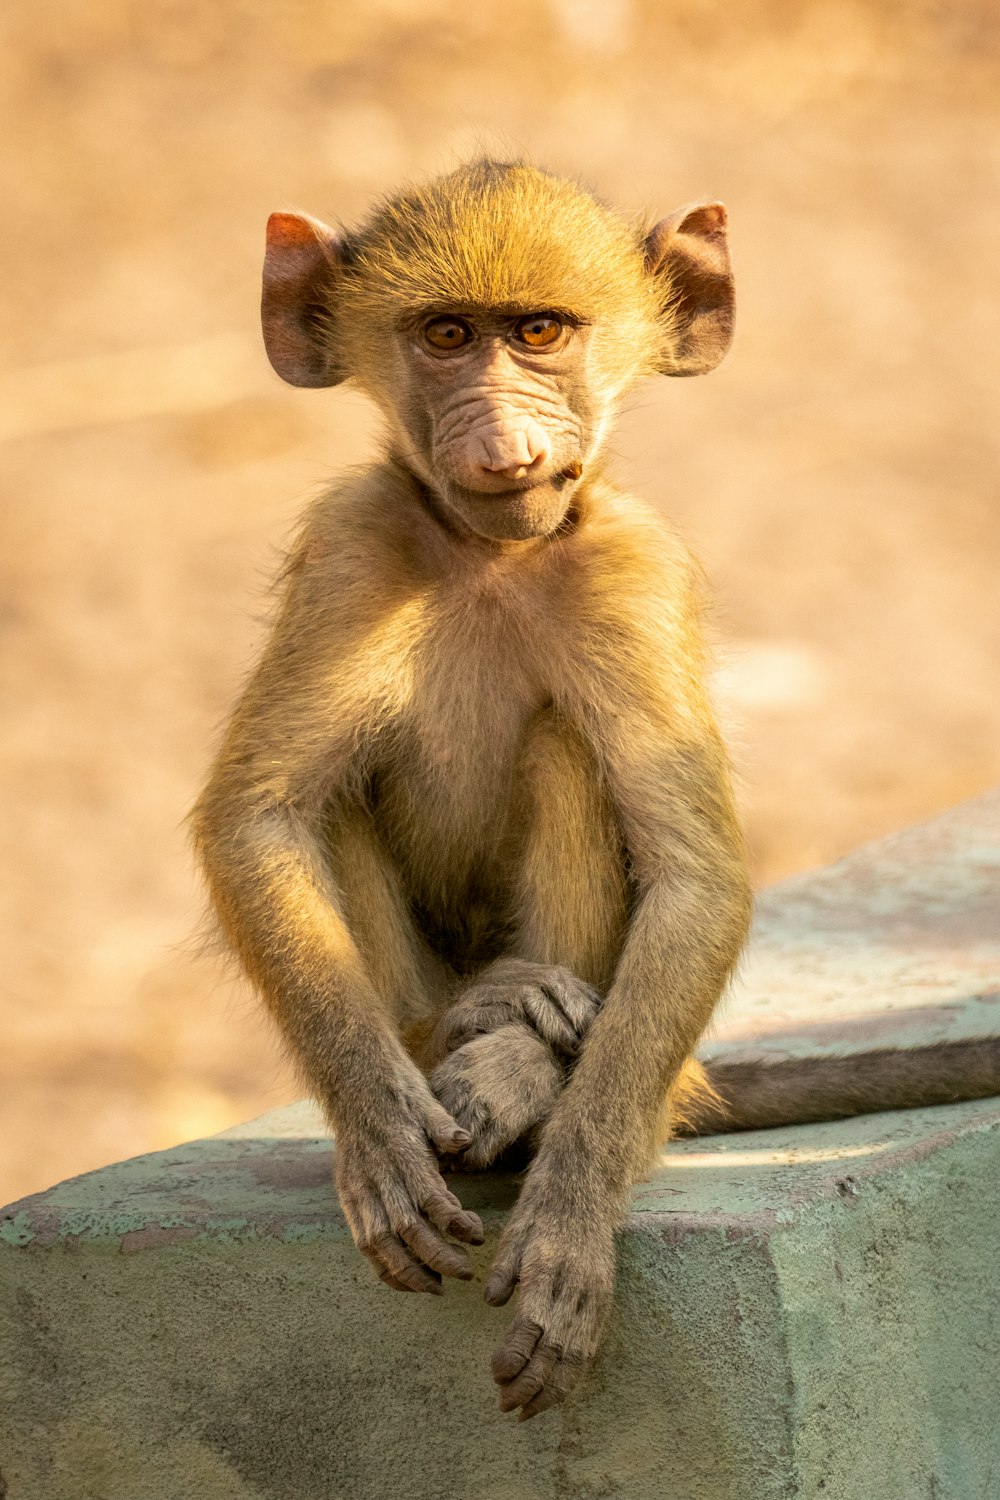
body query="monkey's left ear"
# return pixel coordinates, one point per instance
(689, 254)
(300, 271)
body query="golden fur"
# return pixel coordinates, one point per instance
(472, 815)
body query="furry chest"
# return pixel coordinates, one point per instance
(445, 776)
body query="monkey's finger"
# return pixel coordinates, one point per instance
(468, 1020)
(527, 1384)
(389, 1254)
(470, 1112)
(550, 1018)
(503, 1278)
(566, 1010)
(515, 1351)
(446, 1133)
(467, 1226)
(397, 1286)
(537, 1405)
(447, 1260)
(561, 1379)
(450, 1084)
(447, 1214)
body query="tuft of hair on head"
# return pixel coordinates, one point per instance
(501, 235)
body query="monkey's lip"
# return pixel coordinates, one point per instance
(561, 477)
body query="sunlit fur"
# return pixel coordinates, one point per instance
(457, 756)
(501, 235)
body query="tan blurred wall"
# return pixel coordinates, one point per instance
(838, 474)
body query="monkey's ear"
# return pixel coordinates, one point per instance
(300, 268)
(688, 252)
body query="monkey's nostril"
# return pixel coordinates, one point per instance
(515, 470)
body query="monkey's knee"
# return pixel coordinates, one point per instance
(500, 1087)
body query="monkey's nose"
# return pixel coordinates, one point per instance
(514, 471)
(513, 454)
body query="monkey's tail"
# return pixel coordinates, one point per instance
(757, 1091)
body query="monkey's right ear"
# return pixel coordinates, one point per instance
(689, 253)
(300, 268)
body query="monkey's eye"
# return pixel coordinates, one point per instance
(539, 331)
(447, 333)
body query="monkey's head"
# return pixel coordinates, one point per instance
(496, 316)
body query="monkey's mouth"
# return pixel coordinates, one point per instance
(530, 507)
(557, 481)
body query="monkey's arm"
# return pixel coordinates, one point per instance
(258, 829)
(667, 774)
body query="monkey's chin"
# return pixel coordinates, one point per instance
(514, 515)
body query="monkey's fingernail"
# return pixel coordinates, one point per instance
(467, 1227)
(461, 1139)
(498, 1290)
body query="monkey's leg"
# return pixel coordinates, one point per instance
(573, 896)
(546, 998)
(509, 1042)
(413, 984)
(500, 1087)
(512, 1036)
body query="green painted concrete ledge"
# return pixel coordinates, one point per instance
(811, 1312)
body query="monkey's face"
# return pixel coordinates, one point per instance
(497, 315)
(495, 414)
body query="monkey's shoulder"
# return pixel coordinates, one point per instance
(636, 566)
(351, 546)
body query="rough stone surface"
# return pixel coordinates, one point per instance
(899, 943)
(809, 1312)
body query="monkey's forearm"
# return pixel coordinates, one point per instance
(683, 942)
(279, 907)
(279, 910)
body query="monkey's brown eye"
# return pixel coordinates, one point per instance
(540, 330)
(447, 333)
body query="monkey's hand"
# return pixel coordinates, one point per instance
(557, 1005)
(562, 1259)
(498, 1087)
(392, 1193)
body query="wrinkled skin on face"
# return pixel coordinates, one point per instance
(500, 431)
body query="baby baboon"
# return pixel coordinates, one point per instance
(470, 831)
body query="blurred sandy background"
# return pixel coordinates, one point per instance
(838, 474)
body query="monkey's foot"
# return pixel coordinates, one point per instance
(549, 999)
(499, 1088)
